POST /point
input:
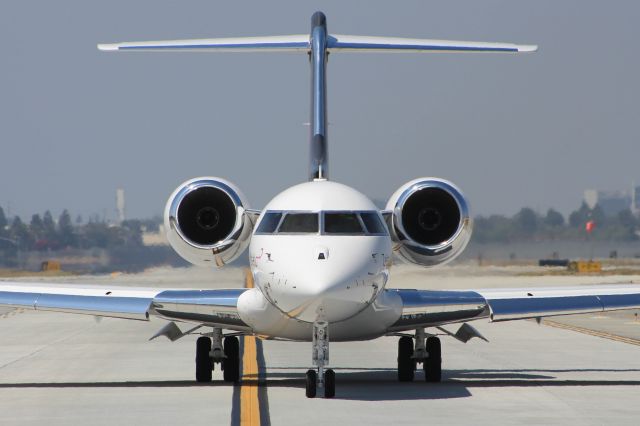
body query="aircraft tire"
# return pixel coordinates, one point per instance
(433, 364)
(311, 384)
(406, 365)
(204, 363)
(231, 364)
(329, 384)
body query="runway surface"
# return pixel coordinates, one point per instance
(61, 369)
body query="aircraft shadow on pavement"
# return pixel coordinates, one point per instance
(381, 384)
(115, 384)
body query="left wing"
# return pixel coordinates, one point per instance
(431, 308)
(204, 307)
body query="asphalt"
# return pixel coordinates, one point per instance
(63, 369)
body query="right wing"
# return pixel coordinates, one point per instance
(432, 308)
(522, 303)
(215, 308)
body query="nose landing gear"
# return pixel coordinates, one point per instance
(325, 379)
(427, 350)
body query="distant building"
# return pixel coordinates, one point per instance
(120, 204)
(613, 202)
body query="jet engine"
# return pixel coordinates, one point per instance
(206, 221)
(429, 221)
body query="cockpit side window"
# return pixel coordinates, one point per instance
(299, 223)
(373, 223)
(342, 223)
(269, 223)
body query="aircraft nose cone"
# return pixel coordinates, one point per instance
(328, 297)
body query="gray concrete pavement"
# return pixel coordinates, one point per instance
(63, 369)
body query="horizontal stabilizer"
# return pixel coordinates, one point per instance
(335, 43)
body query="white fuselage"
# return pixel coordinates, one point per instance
(331, 272)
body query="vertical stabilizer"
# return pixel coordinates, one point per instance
(318, 57)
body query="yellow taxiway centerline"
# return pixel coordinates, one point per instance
(590, 332)
(249, 402)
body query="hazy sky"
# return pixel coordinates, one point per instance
(511, 130)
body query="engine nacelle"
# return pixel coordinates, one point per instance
(206, 222)
(430, 221)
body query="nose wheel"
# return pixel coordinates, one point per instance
(320, 378)
(329, 383)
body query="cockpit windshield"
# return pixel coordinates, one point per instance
(299, 223)
(342, 223)
(325, 223)
(373, 223)
(269, 223)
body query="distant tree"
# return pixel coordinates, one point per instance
(493, 228)
(67, 237)
(598, 216)
(554, 219)
(578, 218)
(37, 227)
(79, 219)
(49, 227)
(20, 233)
(526, 221)
(133, 232)
(95, 234)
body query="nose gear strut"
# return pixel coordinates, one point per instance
(325, 379)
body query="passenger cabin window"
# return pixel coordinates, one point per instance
(269, 223)
(342, 223)
(298, 223)
(373, 223)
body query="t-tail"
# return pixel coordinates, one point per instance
(318, 45)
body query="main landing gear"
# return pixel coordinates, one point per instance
(210, 350)
(427, 350)
(324, 379)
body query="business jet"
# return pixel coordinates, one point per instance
(320, 252)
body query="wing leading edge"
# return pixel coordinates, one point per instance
(429, 308)
(204, 307)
